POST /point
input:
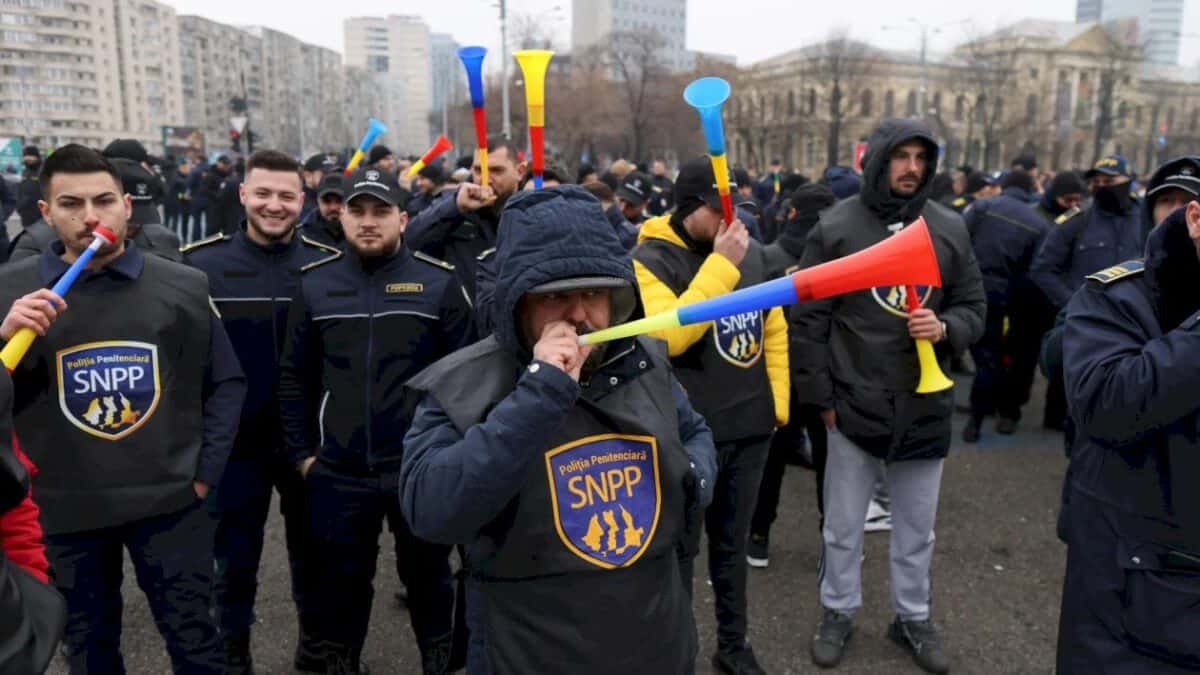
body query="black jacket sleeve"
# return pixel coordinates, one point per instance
(457, 321)
(429, 228)
(809, 334)
(964, 305)
(224, 393)
(1053, 260)
(1123, 384)
(452, 484)
(299, 382)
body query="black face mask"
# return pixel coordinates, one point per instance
(1114, 198)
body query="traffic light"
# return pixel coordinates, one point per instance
(235, 140)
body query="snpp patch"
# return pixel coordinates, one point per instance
(108, 389)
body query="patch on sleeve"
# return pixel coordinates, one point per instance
(1125, 269)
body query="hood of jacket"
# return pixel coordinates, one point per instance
(1172, 268)
(876, 191)
(548, 235)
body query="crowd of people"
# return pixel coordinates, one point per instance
(378, 348)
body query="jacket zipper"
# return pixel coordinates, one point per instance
(321, 418)
(367, 370)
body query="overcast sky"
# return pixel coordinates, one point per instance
(748, 29)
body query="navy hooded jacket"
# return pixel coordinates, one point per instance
(452, 484)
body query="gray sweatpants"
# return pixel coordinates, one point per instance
(850, 476)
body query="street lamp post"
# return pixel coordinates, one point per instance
(506, 128)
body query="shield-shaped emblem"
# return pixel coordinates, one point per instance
(108, 389)
(606, 497)
(894, 299)
(739, 338)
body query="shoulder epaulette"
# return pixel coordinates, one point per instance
(317, 263)
(959, 201)
(324, 247)
(1067, 215)
(1125, 269)
(486, 254)
(204, 242)
(433, 261)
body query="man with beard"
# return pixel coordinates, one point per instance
(324, 225)
(857, 361)
(574, 475)
(360, 326)
(735, 370)
(1132, 583)
(253, 275)
(128, 404)
(458, 230)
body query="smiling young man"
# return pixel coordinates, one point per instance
(253, 274)
(128, 405)
(360, 326)
(856, 360)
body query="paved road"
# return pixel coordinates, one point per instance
(997, 577)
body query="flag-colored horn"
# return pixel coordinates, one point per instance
(533, 64)
(16, 348)
(904, 259)
(441, 145)
(375, 129)
(472, 60)
(707, 95)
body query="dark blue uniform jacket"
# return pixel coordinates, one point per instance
(357, 331)
(1089, 242)
(1005, 233)
(1132, 357)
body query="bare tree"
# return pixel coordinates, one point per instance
(991, 76)
(634, 61)
(842, 65)
(1119, 63)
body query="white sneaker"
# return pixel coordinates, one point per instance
(879, 519)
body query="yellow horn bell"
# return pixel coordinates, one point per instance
(932, 378)
(533, 63)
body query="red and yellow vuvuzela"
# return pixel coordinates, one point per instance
(441, 145)
(533, 64)
(15, 350)
(904, 259)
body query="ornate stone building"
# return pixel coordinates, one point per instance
(1067, 92)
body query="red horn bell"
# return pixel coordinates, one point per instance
(904, 259)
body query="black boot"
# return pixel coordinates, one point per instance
(970, 433)
(237, 654)
(344, 660)
(435, 656)
(310, 653)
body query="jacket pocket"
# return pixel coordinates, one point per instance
(1161, 607)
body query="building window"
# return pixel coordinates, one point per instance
(960, 107)
(791, 103)
(937, 103)
(1195, 123)
(912, 104)
(812, 101)
(1122, 114)
(1077, 155)
(889, 104)
(1031, 105)
(866, 103)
